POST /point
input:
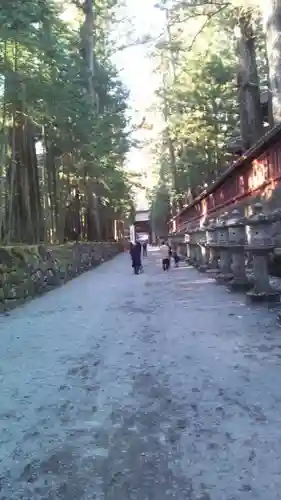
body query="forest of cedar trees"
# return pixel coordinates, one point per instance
(64, 128)
(64, 132)
(220, 66)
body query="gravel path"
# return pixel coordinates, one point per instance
(152, 387)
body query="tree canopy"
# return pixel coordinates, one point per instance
(64, 131)
(199, 59)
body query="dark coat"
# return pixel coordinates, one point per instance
(135, 251)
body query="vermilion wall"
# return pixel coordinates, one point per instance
(256, 176)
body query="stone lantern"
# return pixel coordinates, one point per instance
(192, 246)
(197, 249)
(205, 255)
(260, 244)
(236, 241)
(275, 233)
(200, 240)
(225, 273)
(211, 243)
(187, 242)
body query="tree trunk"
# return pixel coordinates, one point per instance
(30, 159)
(88, 42)
(272, 22)
(64, 199)
(19, 224)
(51, 174)
(3, 157)
(251, 120)
(24, 215)
(87, 36)
(171, 69)
(172, 155)
(269, 99)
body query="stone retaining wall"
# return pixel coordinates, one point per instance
(29, 271)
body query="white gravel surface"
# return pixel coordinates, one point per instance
(152, 387)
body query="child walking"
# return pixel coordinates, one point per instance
(165, 253)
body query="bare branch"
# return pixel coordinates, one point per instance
(201, 4)
(186, 4)
(140, 41)
(209, 18)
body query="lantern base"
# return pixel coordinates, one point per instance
(268, 296)
(222, 278)
(279, 319)
(213, 271)
(239, 284)
(203, 268)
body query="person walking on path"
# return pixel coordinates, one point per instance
(165, 253)
(135, 252)
(144, 249)
(176, 257)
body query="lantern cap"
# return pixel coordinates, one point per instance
(235, 219)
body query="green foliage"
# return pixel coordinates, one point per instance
(198, 97)
(44, 77)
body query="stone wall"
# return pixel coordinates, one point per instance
(29, 271)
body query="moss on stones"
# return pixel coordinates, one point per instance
(28, 271)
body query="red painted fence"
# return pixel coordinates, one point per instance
(256, 173)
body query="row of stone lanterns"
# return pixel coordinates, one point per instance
(222, 245)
